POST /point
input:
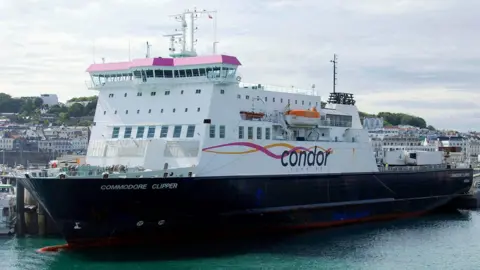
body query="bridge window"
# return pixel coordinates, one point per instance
(250, 133)
(116, 131)
(267, 133)
(241, 132)
(177, 131)
(149, 73)
(182, 73)
(189, 73)
(140, 132)
(190, 131)
(164, 132)
(212, 131)
(198, 91)
(195, 72)
(128, 132)
(202, 71)
(222, 131)
(168, 73)
(151, 132)
(137, 74)
(159, 73)
(259, 133)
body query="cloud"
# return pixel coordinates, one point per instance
(414, 56)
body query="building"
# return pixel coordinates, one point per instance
(373, 123)
(49, 99)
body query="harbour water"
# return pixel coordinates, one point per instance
(435, 242)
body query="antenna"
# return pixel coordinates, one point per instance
(93, 51)
(148, 50)
(335, 62)
(129, 58)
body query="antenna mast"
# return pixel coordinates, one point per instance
(335, 62)
(188, 29)
(148, 50)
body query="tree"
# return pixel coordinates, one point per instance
(430, 127)
(76, 110)
(38, 102)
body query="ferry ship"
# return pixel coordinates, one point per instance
(180, 146)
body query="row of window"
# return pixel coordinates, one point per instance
(150, 111)
(167, 73)
(241, 132)
(177, 131)
(167, 92)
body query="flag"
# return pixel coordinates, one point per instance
(210, 16)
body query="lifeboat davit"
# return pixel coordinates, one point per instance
(309, 117)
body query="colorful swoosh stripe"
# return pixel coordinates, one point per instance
(263, 149)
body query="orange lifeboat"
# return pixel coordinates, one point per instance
(251, 115)
(309, 117)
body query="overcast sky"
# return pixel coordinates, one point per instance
(414, 56)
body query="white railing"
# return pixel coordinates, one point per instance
(412, 168)
(273, 88)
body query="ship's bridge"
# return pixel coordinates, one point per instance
(214, 68)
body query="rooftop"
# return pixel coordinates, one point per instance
(165, 62)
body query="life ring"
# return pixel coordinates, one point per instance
(239, 78)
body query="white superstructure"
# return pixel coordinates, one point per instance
(191, 114)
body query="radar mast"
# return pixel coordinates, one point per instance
(186, 37)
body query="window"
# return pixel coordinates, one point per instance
(167, 93)
(239, 96)
(267, 133)
(149, 110)
(303, 102)
(273, 99)
(250, 133)
(222, 91)
(190, 131)
(125, 95)
(173, 110)
(151, 132)
(177, 131)
(140, 132)
(153, 93)
(128, 132)
(295, 101)
(198, 109)
(161, 111)
(181, 92)
(139, 94)
(198, 91)
(116, 131)
(110, 95)
(222, 132)
(212, 131)
(115, 111)
(265, 99)
(259, 133)
(164, 132)
(126, 111)
(241, 132)
(138, 111)
(281, 100)
(104, 112)
(186, 109)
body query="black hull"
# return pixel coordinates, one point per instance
(88, 213)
